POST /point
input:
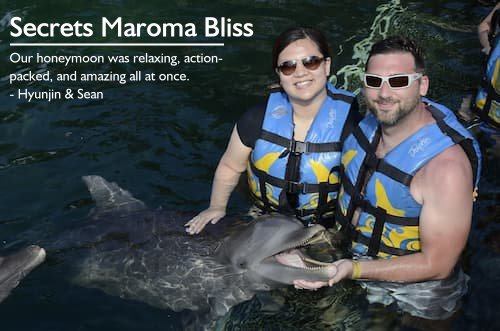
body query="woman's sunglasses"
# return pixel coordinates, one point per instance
(394, 81)
(310, 63)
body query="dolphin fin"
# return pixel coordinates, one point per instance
(109, 197)
(15, 267)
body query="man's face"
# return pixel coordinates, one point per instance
(390, 105)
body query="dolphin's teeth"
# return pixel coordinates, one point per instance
(297, 260)
(318, 263)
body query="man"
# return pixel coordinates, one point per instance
(406, 199)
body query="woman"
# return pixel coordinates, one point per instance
(290, 147)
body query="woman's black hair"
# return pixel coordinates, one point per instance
(297, 33)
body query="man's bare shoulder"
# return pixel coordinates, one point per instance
(446, 173)
(450, 160)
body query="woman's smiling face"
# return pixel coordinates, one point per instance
(304, 86)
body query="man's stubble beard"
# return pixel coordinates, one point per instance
(396, 116)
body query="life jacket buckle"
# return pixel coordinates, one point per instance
(307, 222)
(307, 217)
(298, 147)
(295, 187)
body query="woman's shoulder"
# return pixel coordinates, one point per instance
(249, 126)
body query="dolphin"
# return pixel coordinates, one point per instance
(14, 267)
(142, 254)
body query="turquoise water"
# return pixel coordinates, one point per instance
(162, 141)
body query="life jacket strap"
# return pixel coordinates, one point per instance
(378, 228)
(291, 186)
(457, 138)
(360, 238)
(381, 166)
(306, 216)
(366, 206)
(374, 242)
(296, 146)
(266, 207)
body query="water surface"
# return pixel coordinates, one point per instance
(162, 141)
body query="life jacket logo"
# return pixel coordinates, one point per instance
(331, 119)
(419, 146)
(278, 112)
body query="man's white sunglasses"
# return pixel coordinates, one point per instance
(394, 81)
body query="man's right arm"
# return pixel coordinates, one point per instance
(444, 188)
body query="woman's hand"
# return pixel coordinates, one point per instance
(197, 223)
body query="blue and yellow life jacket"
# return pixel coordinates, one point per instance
(487, 102)
(282, 169)
(388, 224)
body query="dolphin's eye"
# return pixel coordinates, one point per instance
(242, 265)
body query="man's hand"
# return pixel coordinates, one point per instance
(339, 270)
